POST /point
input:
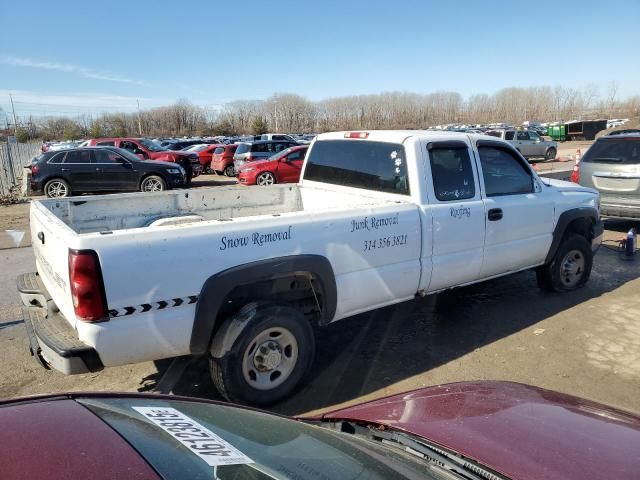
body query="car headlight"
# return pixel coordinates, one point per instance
(248, 169)
(176, 171)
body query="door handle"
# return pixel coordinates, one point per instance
(65, 169)
(494, 214)
(99, 170)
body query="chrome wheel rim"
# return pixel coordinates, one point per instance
(229, 171)
(152, 185)
(572, 268)
(270, 358)
(57, 190)
(265, 179)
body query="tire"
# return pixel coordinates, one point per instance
(229, 171)
(57, 188)
(550, 154)
(208, 171)
(265, 179)
(269, 358)
(570, 268)
(152, 183)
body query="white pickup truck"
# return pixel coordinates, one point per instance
(243, 275)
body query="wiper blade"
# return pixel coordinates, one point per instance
(434, 455)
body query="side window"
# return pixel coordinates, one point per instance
(78, 156)
(128, 146)
(508, 135)
(106, 156)
(523, 136)
(279, 137)
(534, 136)
(295, 156)
(452, 174)
(106, 144)
(504, 173)
(260, 147)
(57, 158)
(278, 147)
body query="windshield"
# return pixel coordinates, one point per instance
(152, 146)
(256, 445)
(195, 148)
(128, 155)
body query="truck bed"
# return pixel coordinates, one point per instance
(104, 214)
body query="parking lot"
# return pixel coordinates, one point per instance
(585, 342)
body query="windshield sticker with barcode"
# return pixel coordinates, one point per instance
(198, 439)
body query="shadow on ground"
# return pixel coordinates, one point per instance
(372, 351)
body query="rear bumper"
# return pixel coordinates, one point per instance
(52, 340)
(617, 210)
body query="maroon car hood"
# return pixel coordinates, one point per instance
(61, 439)
(521, 431)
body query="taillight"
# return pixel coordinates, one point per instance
(87, 289)
(575, 174)
(35, 169)
(356, 135)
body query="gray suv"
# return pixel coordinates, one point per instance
(528, 143)
(612, 166)
(261, 150)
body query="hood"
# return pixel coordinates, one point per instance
(521, 431)
(564, 186)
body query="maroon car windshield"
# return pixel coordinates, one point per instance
(192, 440)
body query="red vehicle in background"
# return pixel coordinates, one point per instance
(222, 159)
(284, 167)
(205, 154)
(149, 150)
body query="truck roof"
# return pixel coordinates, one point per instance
(399, 136)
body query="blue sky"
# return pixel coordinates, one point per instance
(84, 56)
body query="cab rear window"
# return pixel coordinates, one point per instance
(378, 166)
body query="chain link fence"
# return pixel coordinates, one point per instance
(13, 158)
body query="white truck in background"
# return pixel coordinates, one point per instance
(240, 274)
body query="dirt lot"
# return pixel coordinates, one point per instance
(585, 343)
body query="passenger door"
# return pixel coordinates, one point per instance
(77, 167)
(457, 213)
(523, 143)
(290, 166)
(537, 147)
(520, 215)
(114, 172)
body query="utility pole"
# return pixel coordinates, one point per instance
(15, 122)
(275, 107)
(139, 121)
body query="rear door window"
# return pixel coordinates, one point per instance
(452, 174)
(378, 166)
(504, 173)
(260, 147)
(523, 136)
(508, 135)
(618, 151)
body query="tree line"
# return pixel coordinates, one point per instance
(286, 112)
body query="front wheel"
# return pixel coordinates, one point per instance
(57, 188)
(229, 171)
(570, 268)
(266, 178)
(269, 358)
(152, 183)
(550, 154)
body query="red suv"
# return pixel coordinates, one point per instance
(149, 150)
(283, 167)
(222, 159)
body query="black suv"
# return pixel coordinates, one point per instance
(100, 169)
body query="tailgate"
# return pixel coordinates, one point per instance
(50, 238)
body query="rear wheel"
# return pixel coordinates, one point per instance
(570, 268)
(269, 358)
(266, 178)
(152, 183)
(229, 171)
(57, 188)
(550, 154)
(208, 170)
